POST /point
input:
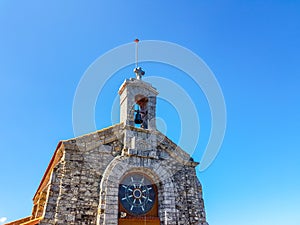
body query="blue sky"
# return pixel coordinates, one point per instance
(251, 46)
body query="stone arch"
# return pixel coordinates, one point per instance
(117, 169)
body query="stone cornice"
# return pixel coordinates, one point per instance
(139, 83)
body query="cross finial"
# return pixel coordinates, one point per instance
(139, 72)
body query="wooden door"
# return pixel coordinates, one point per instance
(140, 221)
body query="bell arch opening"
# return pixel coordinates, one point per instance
(141, 111)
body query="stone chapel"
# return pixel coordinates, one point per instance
(126, 174)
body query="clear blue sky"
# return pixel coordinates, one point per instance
(252, 47)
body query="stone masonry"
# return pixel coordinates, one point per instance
(83, 188)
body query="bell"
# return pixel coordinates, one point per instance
(138, 117)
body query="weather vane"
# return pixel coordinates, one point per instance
(139, 72)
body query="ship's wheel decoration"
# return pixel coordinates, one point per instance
(137, 194)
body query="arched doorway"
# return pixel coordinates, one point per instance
(138, 200)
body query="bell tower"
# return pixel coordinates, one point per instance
(138, 102)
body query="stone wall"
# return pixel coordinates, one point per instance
(74, 186)
(189, 201)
